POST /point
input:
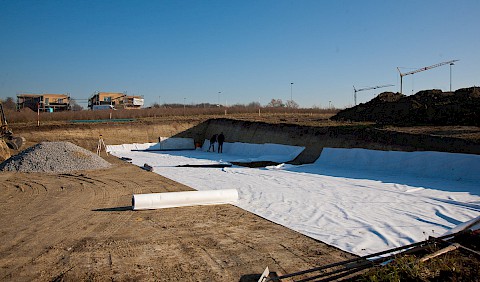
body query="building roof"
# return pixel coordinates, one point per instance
(40, 95)
(110, 93)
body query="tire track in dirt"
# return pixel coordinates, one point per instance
(112, 199)
(47, 217)
(29, 194)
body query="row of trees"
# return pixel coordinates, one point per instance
(278, 103)
(274, 103)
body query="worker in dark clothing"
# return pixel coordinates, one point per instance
(212, 143)
(220, 139)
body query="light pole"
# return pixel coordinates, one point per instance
(184, 99)
(451, 64)
(218, 104)
(329, 104)
(291, 91)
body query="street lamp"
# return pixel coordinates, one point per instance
(291, 91)
(184, 105)
(451, 64)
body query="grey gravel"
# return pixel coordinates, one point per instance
(54, 157)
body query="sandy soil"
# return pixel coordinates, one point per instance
(80, 226)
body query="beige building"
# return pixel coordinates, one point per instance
(44, 102)
(117, 99)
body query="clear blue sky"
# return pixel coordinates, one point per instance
(247, 50)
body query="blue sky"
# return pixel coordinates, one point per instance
(176, 51)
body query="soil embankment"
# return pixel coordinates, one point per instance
(87, 135)
(428, 107)
(453, 139)
(314, 139)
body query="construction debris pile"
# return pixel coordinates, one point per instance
(54, 157)
(429, 107)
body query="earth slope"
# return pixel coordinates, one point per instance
(428, 107)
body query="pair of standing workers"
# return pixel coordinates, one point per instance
(220, 138)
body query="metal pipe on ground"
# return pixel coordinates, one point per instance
(360, 263)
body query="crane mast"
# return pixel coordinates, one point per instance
(419, 70)
(366, 88)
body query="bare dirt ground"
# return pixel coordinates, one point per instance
(80, 226)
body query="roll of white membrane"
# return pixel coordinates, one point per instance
(182, 199)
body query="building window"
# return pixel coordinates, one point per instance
(107, 99)
(60, 101)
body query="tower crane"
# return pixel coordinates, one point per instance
(421, 69)
(366, 88)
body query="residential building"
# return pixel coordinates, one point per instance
(117, 99)
(44, 102)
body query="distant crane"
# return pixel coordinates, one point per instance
(366, 88)
(421, 69)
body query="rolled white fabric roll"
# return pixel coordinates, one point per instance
(182, 199)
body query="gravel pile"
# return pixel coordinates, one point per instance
(54, 157)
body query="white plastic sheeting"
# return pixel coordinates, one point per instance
(182, 199)
(248, 152)
(427, 164)
(233, 152)
(473, 224)
(129, 147)
(169, 143)
(166, 143)
(362, 210)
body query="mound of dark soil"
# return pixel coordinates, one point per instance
(429, 107)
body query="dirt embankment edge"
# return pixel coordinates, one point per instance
(313, 138)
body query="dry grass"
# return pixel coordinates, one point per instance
(458, 265)
(277, 114)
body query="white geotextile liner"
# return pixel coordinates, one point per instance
(429, 164)
(473, 224)
(169, 143)
(250, 152)
(166, 143)
(129, 147)
(182, 199)
(359, 210)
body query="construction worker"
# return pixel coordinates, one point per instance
(220, 139)
(212, 143)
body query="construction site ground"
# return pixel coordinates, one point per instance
(80, 226)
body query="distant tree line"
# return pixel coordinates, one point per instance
(278, 103)
(274, 103)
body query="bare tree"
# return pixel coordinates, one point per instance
(9, 103)
(74, 106)
(292, 104)
(276, 103)
(156, 105)
(253, 105)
